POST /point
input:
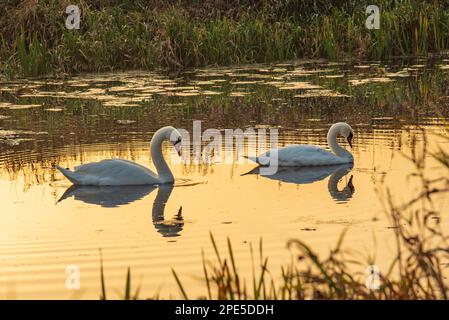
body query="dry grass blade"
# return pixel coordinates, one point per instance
(103, 285)
(180, 286)
(128, 285)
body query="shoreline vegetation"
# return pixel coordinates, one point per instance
(174, 35)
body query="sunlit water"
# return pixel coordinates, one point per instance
(47, 225)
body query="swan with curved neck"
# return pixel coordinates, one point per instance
(299, 155)
(120, 172)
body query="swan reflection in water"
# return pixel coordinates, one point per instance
(111, 197)
(306, 175)
(168, 228)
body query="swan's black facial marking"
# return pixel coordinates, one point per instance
(177, 145)
(177, 141)
(349, 139)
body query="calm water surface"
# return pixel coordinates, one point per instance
(47, 225)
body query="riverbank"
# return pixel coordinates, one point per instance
(126, 35)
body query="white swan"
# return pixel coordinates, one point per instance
(119, 172)
(299, 155)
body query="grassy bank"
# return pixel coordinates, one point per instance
(173, 35)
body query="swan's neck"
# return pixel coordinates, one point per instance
(163, 171)
(333, 144)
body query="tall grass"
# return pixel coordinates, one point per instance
(127, 294)
(174, 35)
(32, 57)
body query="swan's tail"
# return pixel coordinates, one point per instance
(72, 176)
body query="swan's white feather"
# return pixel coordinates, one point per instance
(111, 172)
(299, 155)
(119, 172)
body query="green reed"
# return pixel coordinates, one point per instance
(173, 35)
(32, 57)
(127, 294)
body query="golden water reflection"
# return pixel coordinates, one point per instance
(47, 224)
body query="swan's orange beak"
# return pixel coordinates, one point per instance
(349, 139)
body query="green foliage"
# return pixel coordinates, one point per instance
(174, 35)
(32, 55)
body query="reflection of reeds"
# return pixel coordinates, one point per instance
(85, 121)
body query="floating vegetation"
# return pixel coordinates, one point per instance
(211, 93)
(333, 76)
(298, 85)
(16, 137)
(203, 83)
(362, 67)
(15, 141)
(125, 121)
(244, 82)
(5, 104)
(120, 89)
(321, 94)
(67, 108)
(239, 94)
(400, 74)
(191, 93)
(23, 106)
(358, 82)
